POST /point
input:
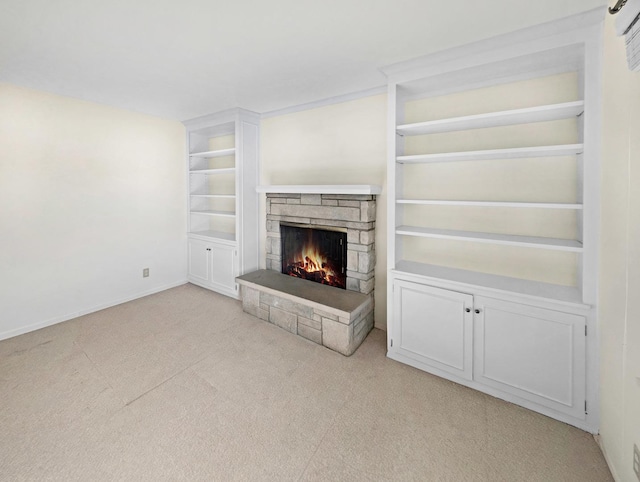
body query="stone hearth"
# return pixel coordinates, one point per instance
(332, 317)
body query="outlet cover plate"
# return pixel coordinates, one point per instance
(145, 273)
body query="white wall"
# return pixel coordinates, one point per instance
(89, 196)
(343, 143)
(619, 313)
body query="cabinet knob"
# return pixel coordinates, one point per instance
(477, 312)
(468, 310)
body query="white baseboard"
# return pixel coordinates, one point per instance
(102, 306)
(598, 439)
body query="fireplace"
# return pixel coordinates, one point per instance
(314, 254)
(326, 234)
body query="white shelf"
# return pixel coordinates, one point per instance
(216, 196)
(567, 294)
(216, 153)
(213, 171)
(367, 189)
(495, 119)
(214, 235)
(491, 238)
(492, 154)
(497, 204)
(228, 214)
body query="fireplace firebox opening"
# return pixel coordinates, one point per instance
(314, 254)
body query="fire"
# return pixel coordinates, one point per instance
(310, 264)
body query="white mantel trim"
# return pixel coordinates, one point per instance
(322, 189)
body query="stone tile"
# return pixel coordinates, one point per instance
(366, 262)
(352, 260)
(368, 211)
(317, 212)
(367, 237)
(315, 324)
(325, 314)
(349, 204)
(353, 284)
(276, 246)
(250, 299)
(281, 195)
(284, 319)
(292, 201)
(310, 334)
(294, 219)
(361, 247)
(360, 225)
(360, 276)
(367, 286)
(329, 222)
(278, 201)
(312, 199)
(273, 227)
(353, 236)
(329, 202)
(337, 336)
(286, 305)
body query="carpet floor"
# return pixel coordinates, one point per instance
(182, 385)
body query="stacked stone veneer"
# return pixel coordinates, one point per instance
(354, 213)
(338, 330)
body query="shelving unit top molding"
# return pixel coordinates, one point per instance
(221, 123)
(366, 189)
(550, 48)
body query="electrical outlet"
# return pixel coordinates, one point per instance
(145, 273)
(636, 460)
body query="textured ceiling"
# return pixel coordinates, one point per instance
(184, 59)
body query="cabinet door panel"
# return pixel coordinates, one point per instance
(534, 353)
(223, 266)
(198, 261)
(432, 327)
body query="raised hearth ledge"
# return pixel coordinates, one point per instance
(367, 189)
(337, 319)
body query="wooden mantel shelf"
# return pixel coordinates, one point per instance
(322, 189)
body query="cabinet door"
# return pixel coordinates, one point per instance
(533, 353)
(198, 262)
(223, 266)
(432, 327)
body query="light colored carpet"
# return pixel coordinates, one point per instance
(183, 385)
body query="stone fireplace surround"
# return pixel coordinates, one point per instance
(349, 208)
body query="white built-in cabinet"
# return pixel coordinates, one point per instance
(222, 201)
(493, 216)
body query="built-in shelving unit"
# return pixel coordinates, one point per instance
(222, 203)
(492, 176)
(496, 119)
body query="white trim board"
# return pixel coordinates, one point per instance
(69, 316)
(339, 99)
(366, 189)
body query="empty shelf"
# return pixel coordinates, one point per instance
(492, 238)
(495, 119)
(228, 214)
(216, 153)
(492, 154)
(497, 204)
